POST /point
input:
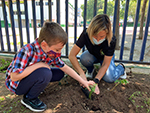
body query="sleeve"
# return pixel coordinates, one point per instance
(20, 61)
(58, 62)
(81, 41)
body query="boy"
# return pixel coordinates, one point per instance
(29, 72)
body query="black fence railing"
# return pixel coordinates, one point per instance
(34, 13)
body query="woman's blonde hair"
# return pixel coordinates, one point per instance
(99, 23)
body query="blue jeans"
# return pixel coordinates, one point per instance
(113, 72)
(32, 85)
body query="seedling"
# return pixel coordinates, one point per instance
(137, 93)
(140, 97)
(92, 90)
(86, 91)
(124, 81)
(2, 99)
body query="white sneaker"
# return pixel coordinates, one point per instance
(89, 75)
(124, 76)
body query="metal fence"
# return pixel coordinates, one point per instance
(9, 39)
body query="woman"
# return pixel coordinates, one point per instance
(100, 44)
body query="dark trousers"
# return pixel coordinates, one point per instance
(35, 83)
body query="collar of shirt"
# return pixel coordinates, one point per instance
(38, 48)
(41, 52)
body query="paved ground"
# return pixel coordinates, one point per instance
(134, 68)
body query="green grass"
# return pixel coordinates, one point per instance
(4, 65)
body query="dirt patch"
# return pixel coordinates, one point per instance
(66, 97)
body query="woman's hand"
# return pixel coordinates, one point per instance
(97, 90)
(92, 84)
(88, 84)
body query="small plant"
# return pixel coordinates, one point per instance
(147, 102)
(135, 94)
(124, 81)
(2, 99)
(87, 93)
(92, 90)
(2, 61)
(140, 97)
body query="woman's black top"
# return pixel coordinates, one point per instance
(97, 50)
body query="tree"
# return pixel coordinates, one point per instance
(132, 9)
(142, 19)
(110, 8)
(117, 26)
(100, 8)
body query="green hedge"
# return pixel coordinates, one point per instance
(131, 24)
(3, 24)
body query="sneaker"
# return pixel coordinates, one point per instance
(90, 75)
(124, 76)
(122, 65)
(35, 105)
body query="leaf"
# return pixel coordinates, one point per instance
(126, 82)
(122, 81)
(2, 98)
(92, 90)
(116, 81)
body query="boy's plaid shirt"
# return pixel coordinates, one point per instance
(28, 55)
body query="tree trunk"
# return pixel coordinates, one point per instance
(117, 26)
(142, 19)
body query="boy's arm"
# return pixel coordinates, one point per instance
(74, 75)
(28, 70)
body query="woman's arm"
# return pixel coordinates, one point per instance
(27, 71)
(72, 57)
(104, 67)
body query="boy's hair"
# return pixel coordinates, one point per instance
(52, 33)
(99, 23)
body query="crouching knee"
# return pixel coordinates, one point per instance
(44, 75)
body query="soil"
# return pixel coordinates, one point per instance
(66, 96)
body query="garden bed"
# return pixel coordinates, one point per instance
(66, 97)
